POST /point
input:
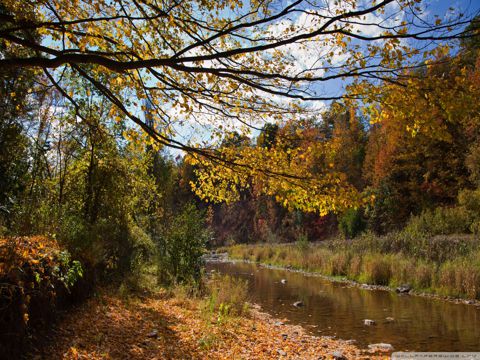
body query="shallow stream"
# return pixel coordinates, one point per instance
(336, 309)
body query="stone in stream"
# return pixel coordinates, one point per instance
(403, 289)
(381, 347)
(390, 319)
(298, 303)
(283, 281)
(369, 322)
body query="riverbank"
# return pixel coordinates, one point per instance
(456, 279)
(162, 326)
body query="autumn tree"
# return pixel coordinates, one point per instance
(224, 65)
(348, 142)
(267, 135)
(419, 156)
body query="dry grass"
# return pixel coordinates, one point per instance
(227, 294)
(459, 277)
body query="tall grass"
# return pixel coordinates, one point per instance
(226, 295)
(447, 266)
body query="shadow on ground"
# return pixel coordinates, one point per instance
(109, 328)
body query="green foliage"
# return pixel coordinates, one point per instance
(16, 147)
(351, 223)
(68, 271)
(181, 246)
(382, 216)
(440, 221)
(459, 219)
(143, 248)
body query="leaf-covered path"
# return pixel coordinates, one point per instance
(159, 327)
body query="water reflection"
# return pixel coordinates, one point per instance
(336, 309)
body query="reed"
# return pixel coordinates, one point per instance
(421, 263)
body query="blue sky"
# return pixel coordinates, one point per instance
(310, 56)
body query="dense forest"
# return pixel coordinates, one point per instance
(88, 197)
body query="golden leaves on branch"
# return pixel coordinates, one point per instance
(298, 177)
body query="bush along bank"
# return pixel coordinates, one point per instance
(37, 278)
(448, 266)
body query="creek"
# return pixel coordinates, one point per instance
(329, 308)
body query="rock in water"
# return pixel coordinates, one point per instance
(298, 303)
(403, 289)
(381, 347)
(283, 281)
(369, 322)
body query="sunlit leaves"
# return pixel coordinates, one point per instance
(298, 177)
(222, 66)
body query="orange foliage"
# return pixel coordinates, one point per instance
(18, 252)
(158, 327)
(35, 277)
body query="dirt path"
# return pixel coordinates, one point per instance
(158, 327)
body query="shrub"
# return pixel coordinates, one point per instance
(440, 221)
(36, 276)
(351, 223)
(463, 218)
(143, 248)
(470, 200)
(181, 247)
